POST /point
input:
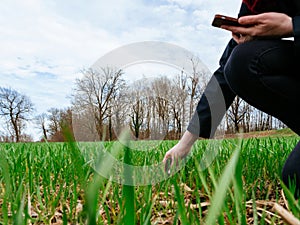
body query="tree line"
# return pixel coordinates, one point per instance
(103, 104)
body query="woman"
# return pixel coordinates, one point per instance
(260, 66)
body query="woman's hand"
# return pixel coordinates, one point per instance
(179, 151)
(175, 155)
(265, 25)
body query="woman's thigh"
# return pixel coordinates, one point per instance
(264, 73)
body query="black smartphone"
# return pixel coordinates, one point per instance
(220, 20)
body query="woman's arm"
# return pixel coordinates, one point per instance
(200, 124)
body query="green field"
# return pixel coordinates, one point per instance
(56, 183)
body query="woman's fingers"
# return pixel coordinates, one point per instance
(170, 160)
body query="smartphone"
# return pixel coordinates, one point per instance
(220, 20)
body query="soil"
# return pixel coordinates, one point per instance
(269, 133)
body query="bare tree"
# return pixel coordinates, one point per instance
(177, 101)
(264, 121)
(95, 91)
(41, 122)
(150, 113)
(137, 107)
(196, 83)
(54, 116)
(120, 107)
(193, 87)
(237, 113)
(160, 88)
(16, 109)
(60, 121)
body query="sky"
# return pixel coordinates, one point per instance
(45, 44)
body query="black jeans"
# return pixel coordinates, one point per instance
(266, 74)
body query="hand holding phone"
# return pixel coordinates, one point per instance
(220, 20)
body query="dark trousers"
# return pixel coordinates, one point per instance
(266, 74)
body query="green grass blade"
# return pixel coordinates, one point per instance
(180, 203)
(128, 193)
(220, 192)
